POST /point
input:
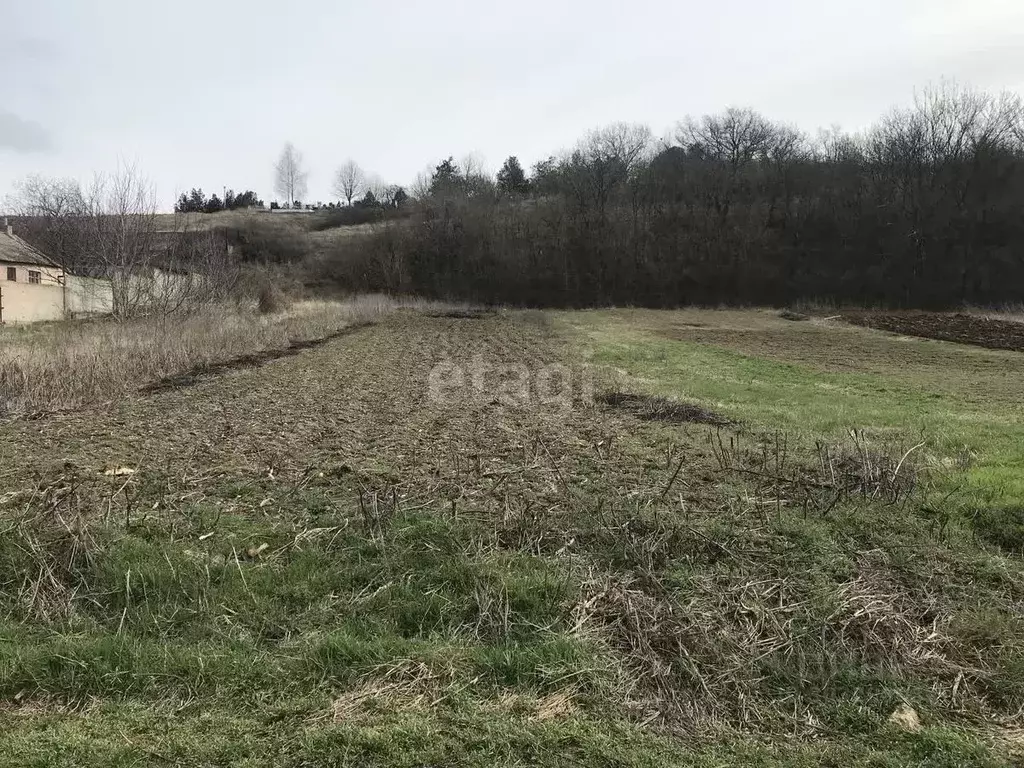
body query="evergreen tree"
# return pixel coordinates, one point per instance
(247, 199)
(512, 178)
(213, 205)
(446, 177)
(196, 201)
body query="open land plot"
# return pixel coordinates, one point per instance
(378, 551)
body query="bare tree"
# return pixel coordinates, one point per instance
(736, 136)
(420, 188)
(122, 236)
(376, 186)
(109, 232)
(474, 178)
(290, 179)
(473, 165)
(349, 181)
(625, 144)
(604, 159)
(727, 144)
(52, 213)
(834, 147)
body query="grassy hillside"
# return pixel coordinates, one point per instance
(206, 221)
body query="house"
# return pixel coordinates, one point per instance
(33, 287)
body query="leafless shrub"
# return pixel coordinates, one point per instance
(854, 468)
(271, 299)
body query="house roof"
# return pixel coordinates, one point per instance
(14, 250)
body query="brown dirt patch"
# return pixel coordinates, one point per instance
(956, 327)
(361, 402)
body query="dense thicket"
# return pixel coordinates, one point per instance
(925, 209)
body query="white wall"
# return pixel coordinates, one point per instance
(50, 298)
(89, 296)
(54, 299)
(25, 303)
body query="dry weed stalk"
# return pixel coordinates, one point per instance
(55, 543)
(838, 473)
(402, 685)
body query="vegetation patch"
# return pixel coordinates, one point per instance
(651, 408)
(260, 571)
(788, 314)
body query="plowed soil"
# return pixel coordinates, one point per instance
(359, 404)
(960, 328)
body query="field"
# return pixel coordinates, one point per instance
(303, 226)
(464, 537)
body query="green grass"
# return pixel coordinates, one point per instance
(132, 735)
(966, 407)
(247, 655)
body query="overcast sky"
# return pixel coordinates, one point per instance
(206, 93)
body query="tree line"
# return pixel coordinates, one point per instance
(352, 185)
(924, 209)
(197, 202)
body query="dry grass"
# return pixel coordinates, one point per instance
(1013, 313)
(66, 365)
(201, 222)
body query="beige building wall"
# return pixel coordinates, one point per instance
(54, 298)
(89, 296)
(47, 275)
(51, 298)
(25, 303)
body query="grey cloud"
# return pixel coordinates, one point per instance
(22, 135)
(34, 48)
(24, 49)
